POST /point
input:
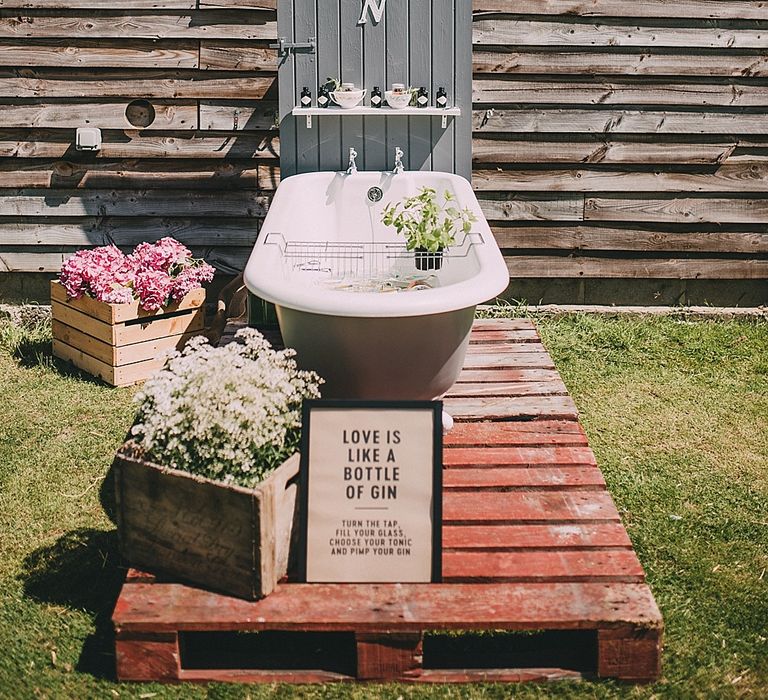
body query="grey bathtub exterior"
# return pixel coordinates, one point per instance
(386, 358)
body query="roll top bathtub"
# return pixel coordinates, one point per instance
(349, 296)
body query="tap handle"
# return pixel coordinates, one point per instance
(398, 153)
(352, 153)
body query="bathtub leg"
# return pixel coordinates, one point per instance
(447, 422)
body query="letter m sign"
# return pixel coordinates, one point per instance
(376, 8)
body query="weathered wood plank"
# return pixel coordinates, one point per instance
(105, 115)
(631, 268)
(165, 84)
(483, 346)
(542, 433)
(155, 202)
(648, 62)
(99, 4)
(237, 56)
(409, 607)
(580, 535)
(572, 477)
(57, 143)
(230, 260)
(127, 232)
(135, 174)
(688, 9)
(732, 177)
(687, 210)
(481, 375)
(97, 53)
(533, 360)
(542, 207)
(631, 239)
(518, 408)
(548, 507)
(238, 116)
(472, 457)
(479, 390)
(614, 565)
(617, 92)
(601, 121)
(108, 24)
(487, 149)
(502, 30)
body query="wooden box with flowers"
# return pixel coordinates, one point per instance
(115, 316)
(206, 486)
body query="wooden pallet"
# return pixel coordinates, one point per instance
(531, 542)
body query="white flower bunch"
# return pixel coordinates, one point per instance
(229, 413)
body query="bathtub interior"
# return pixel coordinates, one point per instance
(335, 240)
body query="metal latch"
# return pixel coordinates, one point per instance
(284, 46)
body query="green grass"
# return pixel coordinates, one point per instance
(677, 413)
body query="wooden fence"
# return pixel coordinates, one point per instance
(614, 140)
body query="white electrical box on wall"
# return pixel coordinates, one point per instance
(88, 139)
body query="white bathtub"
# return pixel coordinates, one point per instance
(323, 235)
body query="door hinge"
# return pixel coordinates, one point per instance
(285, 47)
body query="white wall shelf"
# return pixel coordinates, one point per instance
(310, 112)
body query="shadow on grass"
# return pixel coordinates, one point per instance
(81, 571)
(30, 353)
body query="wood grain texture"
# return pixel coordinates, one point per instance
(629, 268)
(166, 84)
(690, 9)
(98, 53)
(504, 30)
(583, 60)
(137, 174)
(115, 24)
(175, 114)
(577, 238)
(57, 143)
(612, 121)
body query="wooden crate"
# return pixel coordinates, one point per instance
(227, 538)
(532, 541)
(120, 343)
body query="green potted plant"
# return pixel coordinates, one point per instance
(428, 225)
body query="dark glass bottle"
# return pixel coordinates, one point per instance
(422, 98)
(442, 98)
(376, 97)
(323, 99)
(306, 98)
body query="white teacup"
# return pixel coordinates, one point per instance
(347, 99)
(398, 100)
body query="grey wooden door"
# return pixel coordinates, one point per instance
(417, 42)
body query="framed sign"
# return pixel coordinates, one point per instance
(371, 477)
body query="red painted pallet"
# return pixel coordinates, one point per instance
(531, 542)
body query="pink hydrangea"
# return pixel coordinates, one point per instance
(95, 272)
(153, 288)
(190, 278)
(118, 295)
(155, 273)
(162, 255)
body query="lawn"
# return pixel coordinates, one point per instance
(676, 411)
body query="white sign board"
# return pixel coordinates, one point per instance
(371, 491)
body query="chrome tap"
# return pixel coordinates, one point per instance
(398, 169)
(352, 165)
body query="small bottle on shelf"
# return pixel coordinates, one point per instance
(441, 100)
(376, 97)
(323, 99)
(306, 98)
(422, 98)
